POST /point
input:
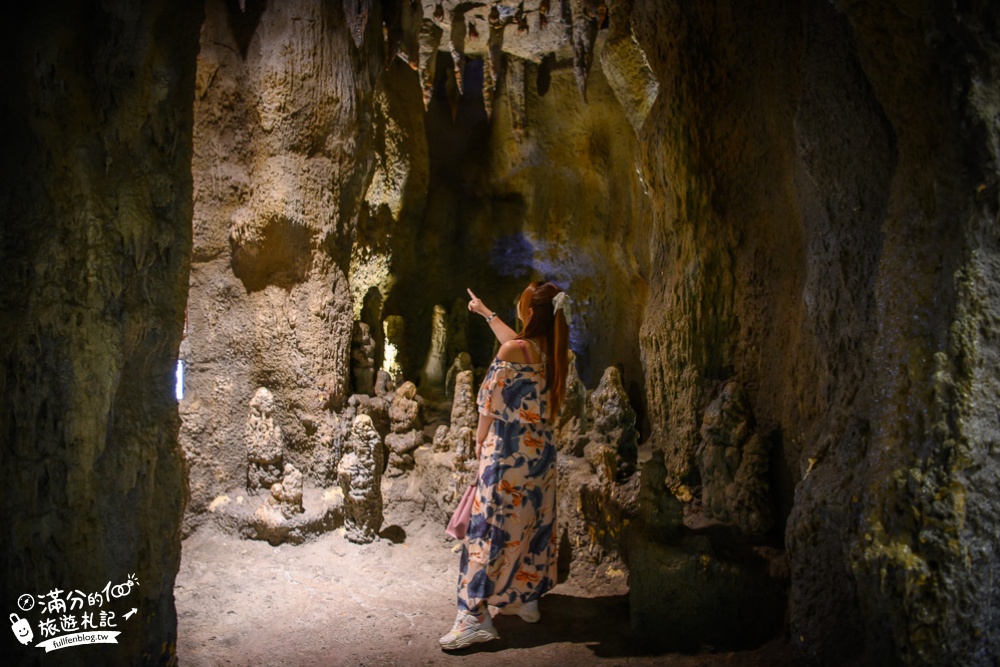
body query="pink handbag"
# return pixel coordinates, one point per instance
(459, 522)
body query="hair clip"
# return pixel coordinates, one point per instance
(562, 302)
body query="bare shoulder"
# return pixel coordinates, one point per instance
(511, 351)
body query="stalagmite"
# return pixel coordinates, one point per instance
(572, 425)
(360, 477)
(434, 368)
(614, 421)
(363, 360)
(287, 493)
(264, 442)
(404, 412)
(733, 460)
(460, 436)
(463, 362)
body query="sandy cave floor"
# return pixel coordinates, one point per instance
(331, 602)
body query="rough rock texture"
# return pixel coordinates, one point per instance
(613, 421)
(463, 362)
(95, 241)
(701, 586)
(362, 359)
(259, 517)
(264, 442)
(572, 427)
(825, 208)
(733, 464)
(360, 475)
(287, 494)
(406, 417)
(404, 411)
(460, 436)
(282, 150)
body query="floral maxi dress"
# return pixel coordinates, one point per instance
(509, 553)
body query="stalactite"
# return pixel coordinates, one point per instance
(357, 12)
(430, 41)
(493, 69)
(457, 35)
(585, 26)
(516, 98)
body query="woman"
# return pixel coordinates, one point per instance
(508, 560)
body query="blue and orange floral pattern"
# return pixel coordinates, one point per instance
(510, 548)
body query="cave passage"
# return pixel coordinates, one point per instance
(238, 374)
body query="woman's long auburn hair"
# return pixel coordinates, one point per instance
(545, 323)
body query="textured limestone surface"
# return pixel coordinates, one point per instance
(264, 442)
(282, 150)
(733, 464)
(95, 244)
(825, 209)
(613, 421)
(360, 475)
(460, 436)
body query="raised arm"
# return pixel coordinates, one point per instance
(503, 332)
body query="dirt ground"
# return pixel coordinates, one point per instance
(330, 602)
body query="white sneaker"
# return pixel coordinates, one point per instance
(528, 611)
(468, 630)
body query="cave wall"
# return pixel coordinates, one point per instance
(283, 151)
(585, 212)
(95, 240)
(825, 214)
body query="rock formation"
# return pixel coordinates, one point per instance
(95, 203)
(270, 300)
(614, 424)
(432, 376)
(404, 411)
(460, 435)
(287, 493)
(845, 298)
(406, 426)
(463, 362)
(733, 460)
(360, 475)
(384, 385)
(572, 426)
(264, 442)
(363, 360)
